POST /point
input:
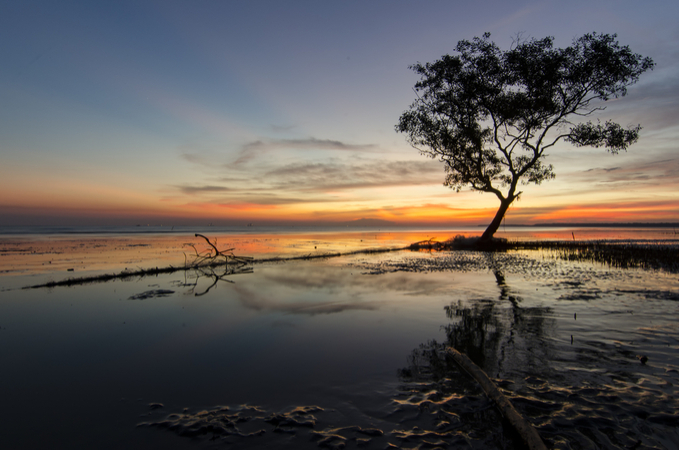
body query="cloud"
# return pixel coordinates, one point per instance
(313, 182)
(636, 211)
(336, 175)
(254, 149)
(272, 199)
(654, 103)
(197, 189)
(610, 169)
(662, 172)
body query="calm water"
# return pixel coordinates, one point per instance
(345, 351)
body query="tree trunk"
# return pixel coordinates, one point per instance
(497, 220)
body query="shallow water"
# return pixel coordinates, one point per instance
(346, 351)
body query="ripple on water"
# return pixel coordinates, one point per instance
(603, 375)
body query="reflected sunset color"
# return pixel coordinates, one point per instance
(297, 354)
(34, 259)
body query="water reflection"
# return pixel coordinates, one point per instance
(495, 333)
(590, 394)
(325, 338)
(208, 277)
(313, 288)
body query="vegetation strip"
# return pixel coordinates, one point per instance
(643, 254)
(521, 425)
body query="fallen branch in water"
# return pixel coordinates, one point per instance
(206, 258)
(521, 425)
(204, 263)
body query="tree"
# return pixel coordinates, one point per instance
(490, 115)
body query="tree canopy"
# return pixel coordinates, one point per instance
(490, 115)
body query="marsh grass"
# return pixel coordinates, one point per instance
(642, 254)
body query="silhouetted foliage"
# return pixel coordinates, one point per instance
(489, 115)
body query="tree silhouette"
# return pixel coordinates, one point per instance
(489, 115)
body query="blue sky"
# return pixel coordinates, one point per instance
(114, 112)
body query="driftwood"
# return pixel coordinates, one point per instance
(206, 258)
(204, 264)
(521, 425)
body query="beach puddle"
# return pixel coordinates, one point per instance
(347, 352)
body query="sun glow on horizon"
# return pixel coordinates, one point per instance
(106, 119)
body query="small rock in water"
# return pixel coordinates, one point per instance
(642, 358)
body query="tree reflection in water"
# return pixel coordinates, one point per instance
(594, 394)
(507, 341)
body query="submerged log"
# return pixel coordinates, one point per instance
(521, 425)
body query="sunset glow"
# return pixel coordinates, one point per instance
(242, 113)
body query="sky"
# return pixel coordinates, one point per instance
(260, 111)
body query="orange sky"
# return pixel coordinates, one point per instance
(243, 114)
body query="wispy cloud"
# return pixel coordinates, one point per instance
(199, 189)
(662, 172)
(642, 211)
(272, 199)
(254, 149)
(609, 169)
(336, 175)
(655, 102)
(313, 182)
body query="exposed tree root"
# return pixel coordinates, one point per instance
(521, 425)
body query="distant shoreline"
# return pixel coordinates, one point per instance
(593, 225)
(362, 225)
